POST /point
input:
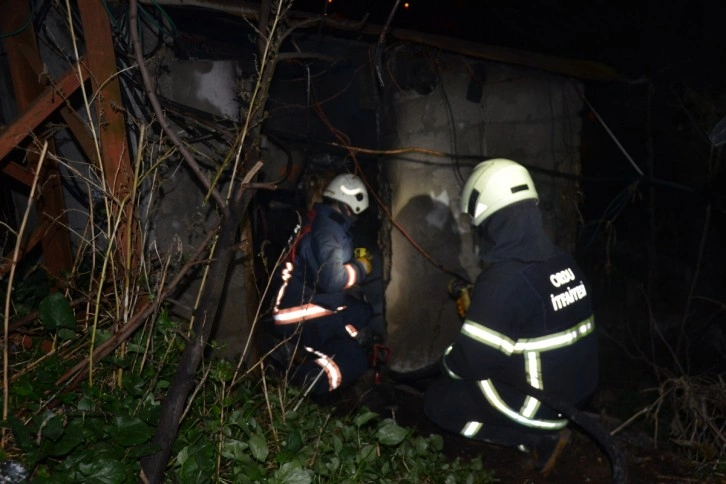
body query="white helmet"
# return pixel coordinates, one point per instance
(495, 184)
(350, 190)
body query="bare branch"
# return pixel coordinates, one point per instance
(148, 87)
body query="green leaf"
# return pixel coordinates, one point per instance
(223, 371)
(391, 434)
(293, 473)
(294, 441)
(24, 388)
(72, 437)
(66, 334)
(235, 450)
(55, 312)
(128, 431)
(337, 444)
(367, 453)
(437, 442)
(134, 384)
(104, 470)
(85, 404)
(365, 418)
(53, 428)
(197, 462)
(258, 446)
(21, 433)
(285, 456)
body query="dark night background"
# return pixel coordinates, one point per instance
(650, 239)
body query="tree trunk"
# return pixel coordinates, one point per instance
(153, 466)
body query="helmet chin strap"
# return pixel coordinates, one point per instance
(345, 211)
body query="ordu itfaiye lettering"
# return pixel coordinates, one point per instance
(570, 294)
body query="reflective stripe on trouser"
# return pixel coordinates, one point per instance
(301, 313)
(330, 368)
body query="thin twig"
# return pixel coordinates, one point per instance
(156, 105)
(11, 277)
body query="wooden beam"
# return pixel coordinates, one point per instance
(72, 119)
(27, 72)
(43, 106)
(19, 173)
(115, 158)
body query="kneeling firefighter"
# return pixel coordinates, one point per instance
(317, 308)
(529, 324)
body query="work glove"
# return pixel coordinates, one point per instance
(362, 255)
(462, 304)
(460, 290)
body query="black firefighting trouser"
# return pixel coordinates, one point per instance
(328, 336)
(452, 404)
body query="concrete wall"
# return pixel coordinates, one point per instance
(179, 218)
(528, 116)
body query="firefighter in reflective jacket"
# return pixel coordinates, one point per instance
(315, 307)
(529, 322)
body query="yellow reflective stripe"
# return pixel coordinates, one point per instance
(508, 346)
(446, 367)
(533, 369)
(488, 336)
(496, 401)
(557, 340)
(471, 429)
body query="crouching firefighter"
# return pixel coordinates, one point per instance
(529, 323)
(324, 321)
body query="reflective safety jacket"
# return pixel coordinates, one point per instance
(314, 283)
(530, 322)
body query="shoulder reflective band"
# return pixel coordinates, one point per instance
(496, 401)
(508, 346)
(471, 429)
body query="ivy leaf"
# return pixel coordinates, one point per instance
(235, 450)
(367, 453)
(21, 433)
(55, 312)
(53, 428)
(71, 438)
(294, 441)
(104, 470)
(364, 418)
(128, 431)
(258, 446)
(391, 434)
(293, 473)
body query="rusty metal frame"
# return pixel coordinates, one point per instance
(38, 97)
